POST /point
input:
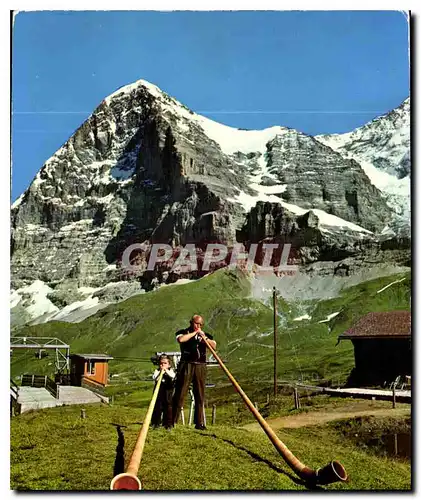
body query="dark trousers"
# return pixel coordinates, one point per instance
(162, 413)
(188, 373)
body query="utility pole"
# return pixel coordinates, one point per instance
(275, 343)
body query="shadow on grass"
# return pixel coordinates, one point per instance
(119, 457)
(308, 485)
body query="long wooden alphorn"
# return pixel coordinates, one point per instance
(331, 473)
(128, 480)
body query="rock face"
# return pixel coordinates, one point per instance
(144, 168)
(317, 177)
(343, 246)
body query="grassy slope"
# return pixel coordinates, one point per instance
(56, 450)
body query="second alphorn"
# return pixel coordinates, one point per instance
(128, 480)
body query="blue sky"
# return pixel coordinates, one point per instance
(318, 72)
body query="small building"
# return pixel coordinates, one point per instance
(382, 347)
(89, 368)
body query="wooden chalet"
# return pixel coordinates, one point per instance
(382, 347)
(88, 369)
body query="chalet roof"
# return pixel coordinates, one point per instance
(392, 324)
(103, 357)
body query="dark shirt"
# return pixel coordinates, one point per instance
(193, 351)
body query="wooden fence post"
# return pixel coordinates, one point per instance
(213, 414)
(296, 399)
(82, 413)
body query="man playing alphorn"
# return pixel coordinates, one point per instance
(192, 369)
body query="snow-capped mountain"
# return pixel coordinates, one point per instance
(382, 148)
(145, 168)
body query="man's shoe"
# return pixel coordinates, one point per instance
(200, 427)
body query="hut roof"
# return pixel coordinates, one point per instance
(99, 357)
(392, 324)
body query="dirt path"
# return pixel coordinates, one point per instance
(321, 417)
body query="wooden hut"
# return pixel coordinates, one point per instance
(382, 347)
(89, 368)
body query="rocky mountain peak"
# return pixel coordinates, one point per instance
(383, 142)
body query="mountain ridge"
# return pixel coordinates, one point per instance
(145, 168)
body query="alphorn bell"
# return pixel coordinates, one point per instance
(331, 473)
(128, 480)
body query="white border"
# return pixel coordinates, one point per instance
(164, 5)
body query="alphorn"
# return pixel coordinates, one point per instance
(331, 473)
(128, 480)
